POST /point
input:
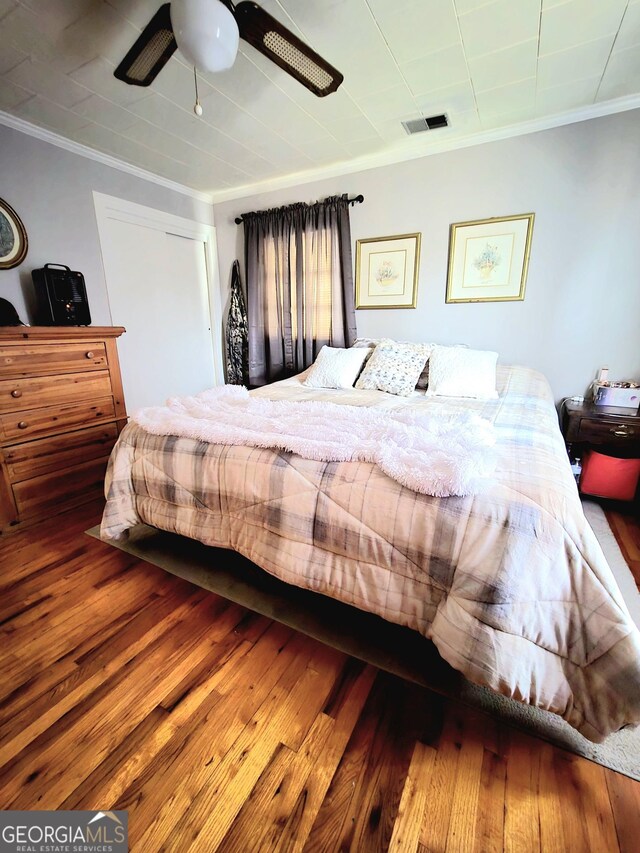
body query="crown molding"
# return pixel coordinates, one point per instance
(416, 149)
(419, 149)
(106, 159)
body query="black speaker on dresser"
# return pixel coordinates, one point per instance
(61, 295)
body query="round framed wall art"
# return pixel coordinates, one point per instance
(13, 237)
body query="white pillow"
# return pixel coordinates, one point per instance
(336, 368)
(394, 368)
(462, 372)
(366, 342)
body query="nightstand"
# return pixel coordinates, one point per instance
(585, 425)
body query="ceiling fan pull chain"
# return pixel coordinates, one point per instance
(197, 107)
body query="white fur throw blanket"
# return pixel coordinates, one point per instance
(435, 454)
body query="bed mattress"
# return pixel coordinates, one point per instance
(511, 584)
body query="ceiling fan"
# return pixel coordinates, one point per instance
(207, 31)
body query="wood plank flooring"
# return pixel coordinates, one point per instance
(124, 687)
(625, 524)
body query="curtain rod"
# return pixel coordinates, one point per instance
(355, 200)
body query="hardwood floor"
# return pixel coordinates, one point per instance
(124, 687)
(625, 524)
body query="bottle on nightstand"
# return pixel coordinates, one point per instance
(576, 467)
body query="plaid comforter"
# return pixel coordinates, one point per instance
(511, 585)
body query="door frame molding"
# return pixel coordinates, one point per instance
(109, 207)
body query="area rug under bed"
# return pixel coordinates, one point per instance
(389, 647)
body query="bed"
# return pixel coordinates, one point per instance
(510, 584)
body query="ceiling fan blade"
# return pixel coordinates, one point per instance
(150, 53)
(281, 46)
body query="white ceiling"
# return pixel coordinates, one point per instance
(487, 63)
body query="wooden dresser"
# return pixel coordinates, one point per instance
(61, 410)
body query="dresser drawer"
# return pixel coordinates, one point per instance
(608, 432)
(59, 490)
(19, 394)
(32, 360)
(34, 458)
(34, 423)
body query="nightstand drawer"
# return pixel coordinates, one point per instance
(45, 359)
(34, 423)
(608, 432)
(18, 394)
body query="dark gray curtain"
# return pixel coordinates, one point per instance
(237, 333)
(299, 286)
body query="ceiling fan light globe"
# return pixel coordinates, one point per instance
(206, 33)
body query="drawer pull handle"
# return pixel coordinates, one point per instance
(23, 425)
(90, 354)
(16, 393)
(621, 429)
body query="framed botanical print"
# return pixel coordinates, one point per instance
(387, 271)
(489, 259)
(13, 237)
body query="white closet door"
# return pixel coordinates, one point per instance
(158, 290)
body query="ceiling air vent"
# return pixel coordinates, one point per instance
(419, 125)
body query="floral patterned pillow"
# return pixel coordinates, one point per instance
(394, 368)
(423, 379)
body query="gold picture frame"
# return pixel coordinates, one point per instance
(489, 259)
(387, 271)
(14, 243)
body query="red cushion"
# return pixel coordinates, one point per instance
(608, 477)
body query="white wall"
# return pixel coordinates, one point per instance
(51, 190)
(582, 302)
